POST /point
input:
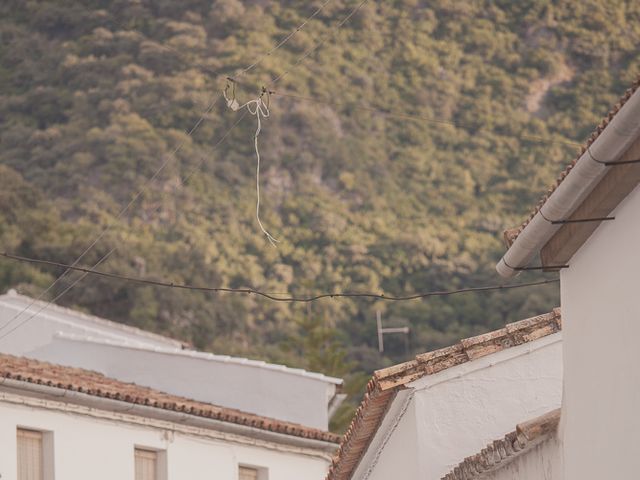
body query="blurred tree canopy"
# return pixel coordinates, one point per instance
(95, 95)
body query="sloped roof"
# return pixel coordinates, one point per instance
(385, 383)
(511, 234)
(15, 300)
(196, 354)
(97, 385)
(169, 345)
(501, 452)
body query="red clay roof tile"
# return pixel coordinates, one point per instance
(510, 235)
(385, 383)
(500, 452)
(97, 385)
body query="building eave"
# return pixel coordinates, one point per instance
(74, 383)
(386, 384)
(503, 451)
(54, 398)
(608, 144)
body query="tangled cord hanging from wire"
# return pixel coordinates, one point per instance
(260, 109)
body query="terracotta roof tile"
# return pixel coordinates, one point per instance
(385, 383)
(97, 385)
(512, 234)
(500, 452)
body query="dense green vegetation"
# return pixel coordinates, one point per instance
(94, 95)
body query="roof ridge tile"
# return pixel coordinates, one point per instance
(500, 452)
(385, 383)
(97, 385)
(510, 235)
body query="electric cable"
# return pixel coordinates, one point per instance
(126, 208)
(271, 296)
(318, 44)
(284, 40)
(409, 116)
(182, 181)
(170, 158)
(23, 322)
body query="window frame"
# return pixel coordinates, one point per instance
(46, 450)
(160, 460)
(262, 472)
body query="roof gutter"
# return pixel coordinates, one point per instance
(325, 449)
(610, 145)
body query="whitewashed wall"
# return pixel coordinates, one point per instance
(87, 447)
(70, 338)
(457, 412)
(255, 387)
(395, 451)
(601, 322)
(39, 322)
(543, 462)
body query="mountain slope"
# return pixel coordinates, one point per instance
(95, 95)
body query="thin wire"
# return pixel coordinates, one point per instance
(182, 56)
(135, 198)
(408, 116)
(262, 109)
(531, 138)
(182, 181)
(318, 44)
(274, 297)
(9, 332)
(205, 68)
(284, 40)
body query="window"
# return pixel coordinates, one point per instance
(252, 473)
(146, 464)
(30, 455)
(247, 473)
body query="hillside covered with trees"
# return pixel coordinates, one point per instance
(95, 95)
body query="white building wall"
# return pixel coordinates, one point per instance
(39, 322)
(66, 337)
(86, 447)
(457, 412)
(543, 462)
(601, 322)
(399, 457)
(466, 407)
(267, 390)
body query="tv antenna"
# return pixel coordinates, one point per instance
(384, 331)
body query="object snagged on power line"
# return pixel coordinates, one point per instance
(259, 108)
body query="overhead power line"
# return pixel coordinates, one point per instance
(167, 161)
(409, 116)
(318, 44)
(337, 104)
(284, 40)
(125, 209)
(46, 305)
(272, 296)
(182, 181)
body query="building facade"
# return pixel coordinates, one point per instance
(419, 419)
(588, 228)
(66, 423)
(67, 337)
